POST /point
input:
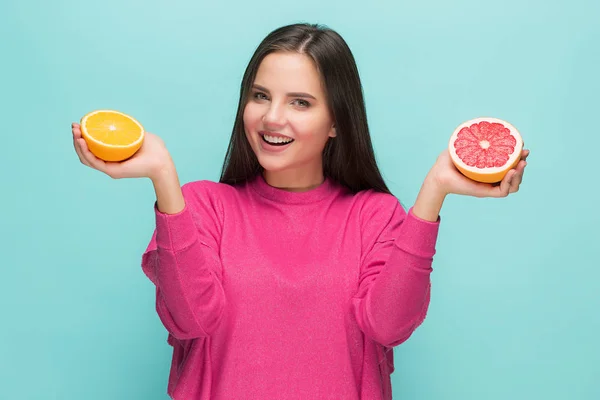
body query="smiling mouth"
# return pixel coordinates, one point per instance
(276, 140)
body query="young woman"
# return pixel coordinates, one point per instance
(296, 274)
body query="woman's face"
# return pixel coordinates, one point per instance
(287, 120)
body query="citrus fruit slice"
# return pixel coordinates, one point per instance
(485, 149)
(112, 135)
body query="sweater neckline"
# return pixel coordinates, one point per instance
(260, 185)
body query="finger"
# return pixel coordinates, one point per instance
(480, 189)
(504, 188)
(79, 144)
(525, 154)
(76, 132)
(79, 153)
(91, 159)
(515, 183)
(520, 169)
(84, 151)
(78, 150)
(518, 178)
(113, 169)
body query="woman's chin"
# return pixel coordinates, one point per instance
(272, 166)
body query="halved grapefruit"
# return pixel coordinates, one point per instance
(485, 149)
(112, 135)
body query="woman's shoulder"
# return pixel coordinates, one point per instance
(209, 187)
(374, 201)
(377, 211)
(214, 187)
(206, 193)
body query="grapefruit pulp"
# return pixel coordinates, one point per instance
(112, 135)
(485, 149)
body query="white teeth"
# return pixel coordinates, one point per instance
(274, 139)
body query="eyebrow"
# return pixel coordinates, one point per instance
(292, 94)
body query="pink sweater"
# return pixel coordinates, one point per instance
(269, 294)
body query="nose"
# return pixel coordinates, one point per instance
(274, 116)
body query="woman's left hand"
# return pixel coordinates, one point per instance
(451, 181)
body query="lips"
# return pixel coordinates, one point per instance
(273, 134)
(274, 147)
(275, 144)
(275, 139)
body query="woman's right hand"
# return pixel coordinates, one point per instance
(148, 162)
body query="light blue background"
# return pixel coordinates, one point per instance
(515, 305)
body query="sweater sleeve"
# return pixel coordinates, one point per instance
(394, 285)
(182, 261)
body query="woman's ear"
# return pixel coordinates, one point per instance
(332, 132)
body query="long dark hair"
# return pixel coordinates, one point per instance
(348, 158)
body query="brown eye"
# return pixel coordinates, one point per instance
(302, 103)
(259, 96)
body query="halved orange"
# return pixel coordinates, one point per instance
(112, 135)
(485, 149)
